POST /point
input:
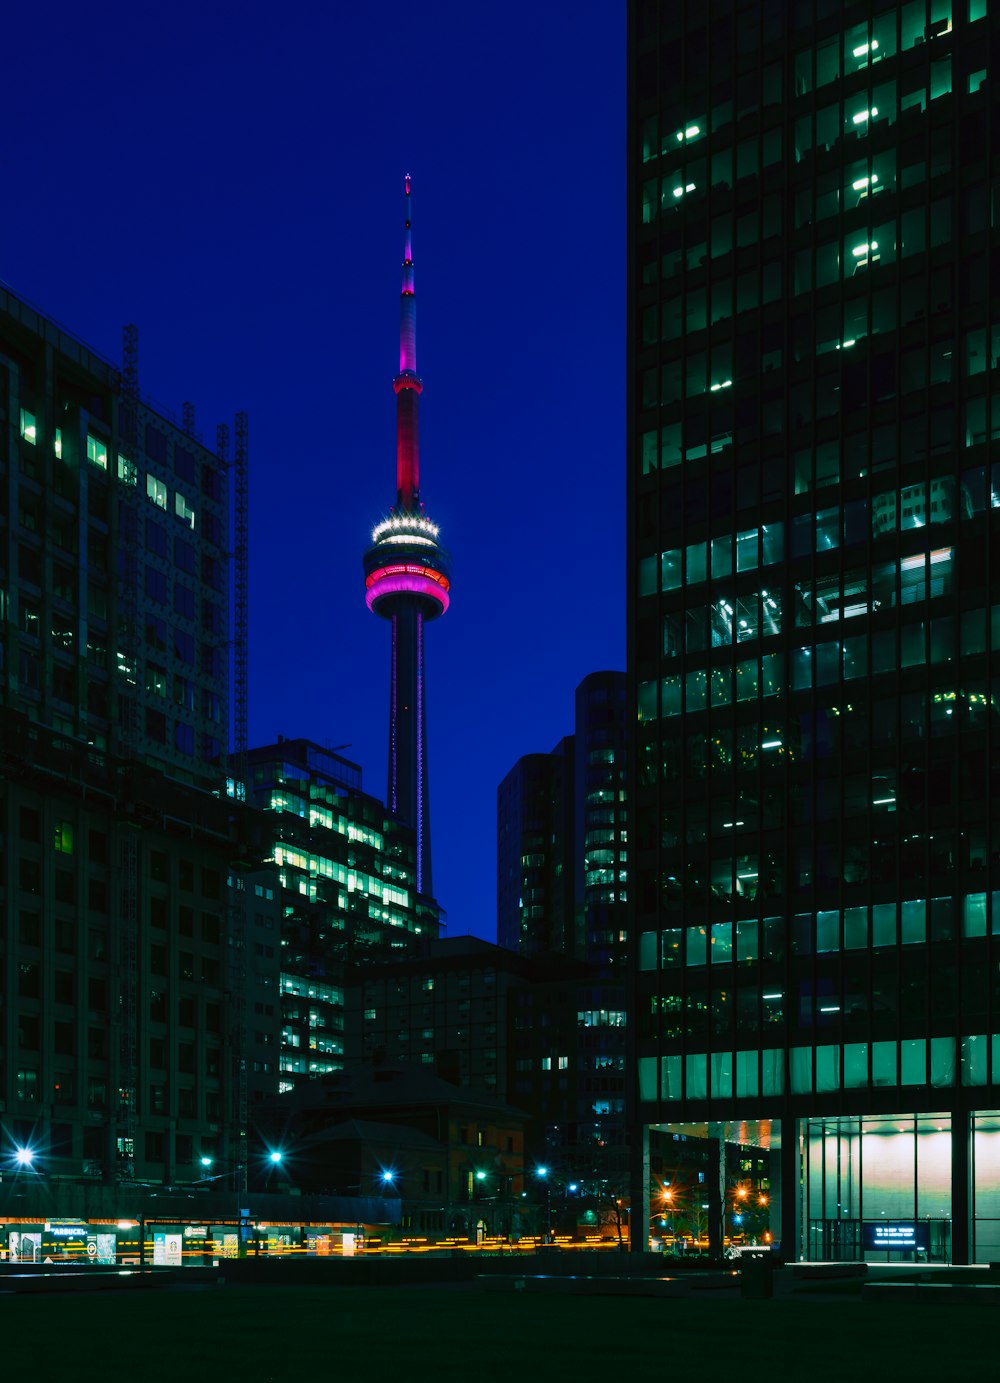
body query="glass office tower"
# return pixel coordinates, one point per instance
(815, 616)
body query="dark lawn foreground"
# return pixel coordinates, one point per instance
(439, 1334)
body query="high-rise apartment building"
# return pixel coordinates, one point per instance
(814, 629)
(119, 1035)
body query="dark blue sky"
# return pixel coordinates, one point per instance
(229, 176)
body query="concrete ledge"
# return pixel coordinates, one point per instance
(820, 1272)
(89, 1280)
(609, 1286)
(933, 1293)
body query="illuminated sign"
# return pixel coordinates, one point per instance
(896, 1235)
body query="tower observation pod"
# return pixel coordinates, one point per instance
(407, 582)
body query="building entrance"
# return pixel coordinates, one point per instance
(878, 1188)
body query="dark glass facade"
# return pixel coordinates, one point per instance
(814, 615)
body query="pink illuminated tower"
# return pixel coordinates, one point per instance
(407, 582)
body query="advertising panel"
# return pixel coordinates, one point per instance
(895, 1236)
(101, 1248)
(168, 1248)
(24, 1248)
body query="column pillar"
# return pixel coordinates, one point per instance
(789, 1198)
(639, 1190)
(961, 1199)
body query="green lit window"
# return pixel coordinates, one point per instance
(156, 491)
(695, 129)
(671, 696)
(913, 1054)
(670, 569)
(58, 443)
(64, 837)
(862, 46)
(29, 427)
(97, 452)
(183, 510)
(126, 471)
(800, 1065)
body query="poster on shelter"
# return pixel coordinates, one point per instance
(24, 1248)
(168, 1249)
(101, 1248)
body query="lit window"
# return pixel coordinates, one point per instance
(29, 430)
(156, 491)
(183, 510)
(58, 443)
(126, 471)
(97, 452)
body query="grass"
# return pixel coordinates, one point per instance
(419, 1334)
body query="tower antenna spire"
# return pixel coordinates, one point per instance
(407, 383)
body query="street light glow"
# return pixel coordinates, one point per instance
(276, 1157)
(541, 1171)
(480, 1176)
(24, 1157)
(388, 1176)
(206, 1161)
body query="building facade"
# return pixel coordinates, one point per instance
(813, 633)
(562, 897)
(562, 837)
(347, 894)
(119, 1035)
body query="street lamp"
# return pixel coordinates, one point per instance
(24, 1157)
(542, 1173)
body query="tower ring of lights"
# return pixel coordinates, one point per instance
(405, 560)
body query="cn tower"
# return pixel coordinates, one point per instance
(407, 583)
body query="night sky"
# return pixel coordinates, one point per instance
(230, 178)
